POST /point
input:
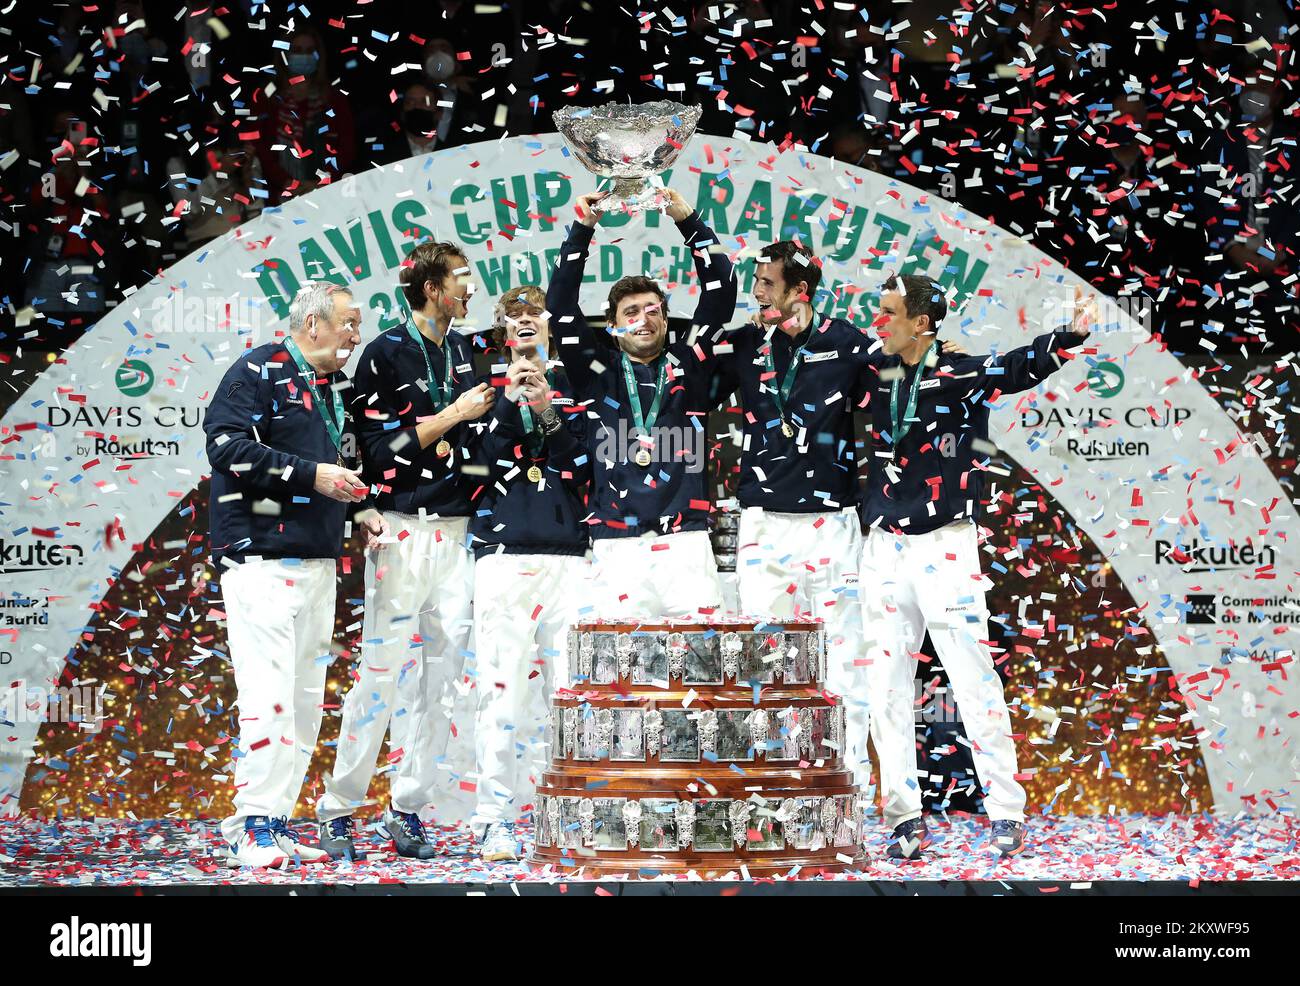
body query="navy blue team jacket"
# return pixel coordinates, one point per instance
(515, 515)
(936, 475)
(814, 470)
(393, 395)
(265, 438)
(628, 500)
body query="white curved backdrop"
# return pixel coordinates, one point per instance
(1138, 453)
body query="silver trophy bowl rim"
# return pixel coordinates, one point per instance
(619, 112)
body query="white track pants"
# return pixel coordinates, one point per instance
(656, 576)
(279, 625)
(415, 634)
(911, 582)
(805, 566)
(523, 605)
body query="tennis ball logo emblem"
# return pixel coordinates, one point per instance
(134, 378)
(1106, 379)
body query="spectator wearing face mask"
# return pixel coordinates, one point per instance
(306, 129)
(415, 130)
(457, 99)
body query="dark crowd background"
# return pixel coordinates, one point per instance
(1148, 146)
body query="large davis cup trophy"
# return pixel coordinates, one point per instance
(683, 748)
(629, 144)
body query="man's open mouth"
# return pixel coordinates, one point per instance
(526, 334)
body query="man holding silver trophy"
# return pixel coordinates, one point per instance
(649, 395)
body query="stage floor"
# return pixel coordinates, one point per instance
(1191, 850)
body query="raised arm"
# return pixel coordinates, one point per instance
(716, 280)
(714, 274)
(1028, 366)
(1025, 367)
(575, 342)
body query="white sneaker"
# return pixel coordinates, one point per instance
(297, 850)
(257, 847)
(500, 844)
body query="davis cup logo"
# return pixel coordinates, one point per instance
(1106, 379)
(134, 378)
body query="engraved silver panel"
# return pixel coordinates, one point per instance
(712, 825)
(649, 659)
(681, 736)
(570, 824)
(588, 736)
(734, 742)
(658, 824)
(627, 743)
(609, 829)
(766, 831)
(703, 659)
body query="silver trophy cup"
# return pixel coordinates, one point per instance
(629, 144)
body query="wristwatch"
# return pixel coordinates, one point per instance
(550, 421)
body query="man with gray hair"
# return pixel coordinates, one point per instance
(284, 482)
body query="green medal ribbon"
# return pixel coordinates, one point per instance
(644, 423)
(333, 425)
(781, 392)
(532, 430)
(445, 390)
(902, 424)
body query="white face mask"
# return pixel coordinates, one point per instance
(1254, 104)
(440, 66)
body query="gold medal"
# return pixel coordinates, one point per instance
(534, 474)
(443, 448)
(340, 461)
(787, 429)
(642, 457)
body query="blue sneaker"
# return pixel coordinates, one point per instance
(258, 847)
(338, 838)
(407, 832)
(908, 840)
(1008, 837)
